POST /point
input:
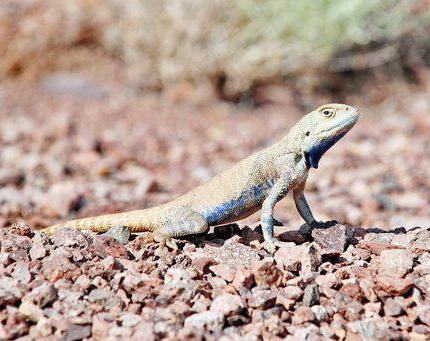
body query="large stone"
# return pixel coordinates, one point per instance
(262, 299)
(311, 295)
(65, 236)
(107, 246)
(38, 249)
(59, 266)
(225, 271)
(228, 304)
(42, 295)
(207, 320)
(392, 307)
(302, 315)
(395, 262)
(266, 272)
(333, 240)
(31, 311)
(231, 253)
(394, 285)
(243, 279)
(304, 258)
(424, 314)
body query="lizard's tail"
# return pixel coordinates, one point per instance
(136, 221)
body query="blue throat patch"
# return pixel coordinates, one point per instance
(314, 155)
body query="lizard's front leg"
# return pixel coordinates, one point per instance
(303, 206)
(305, 211)
(278, 191)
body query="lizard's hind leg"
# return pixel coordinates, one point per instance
(181, 221)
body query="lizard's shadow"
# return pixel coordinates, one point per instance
(246, 235)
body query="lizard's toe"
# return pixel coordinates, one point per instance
(171, 244)
(165, 240)
(270, 245)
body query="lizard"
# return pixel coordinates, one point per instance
(257, 182)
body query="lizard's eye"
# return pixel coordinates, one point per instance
(326, 112)
(307, 133)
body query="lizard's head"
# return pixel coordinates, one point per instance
(323, 127)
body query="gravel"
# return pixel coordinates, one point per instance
(74, 292)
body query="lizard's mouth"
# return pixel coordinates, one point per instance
(343, 127)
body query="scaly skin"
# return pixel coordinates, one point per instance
(257, 182)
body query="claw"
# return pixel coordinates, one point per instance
(171, 243)
(270, 245)
(164, 241)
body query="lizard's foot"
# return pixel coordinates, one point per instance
(271, 244)
(165, 240)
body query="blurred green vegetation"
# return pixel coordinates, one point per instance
(244, 42)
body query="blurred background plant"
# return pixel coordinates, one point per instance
(230, 45)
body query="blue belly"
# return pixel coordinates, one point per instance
(236, 208)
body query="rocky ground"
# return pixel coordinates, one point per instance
(73, 146)
(336, 283)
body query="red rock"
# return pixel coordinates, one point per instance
(20, 229)
(421, 243)
(10, 293)
(42, 295)
(305, 258)
(332, 240)
(77, 332)
(207, 320)
(243, 279)
(21, 272)
(228, 304)
(144, 331)
(395, 262)
(102, 322)
(376, 247)
(302, 315)
(283, 300)
(392, 307)
(266, 272)
(17, 246)
(352, 289)
(367, 287)
(59, 266)
(424, 314)
(107, 246)
(262, 299)
(224, 271)
(394, 285)
(65, 236)
(372, 309)
(329, 280)
(216, 282)
(203, 264)
(201, 304)
(38, 249)
(63, 197)
(292, 292)
(231, 252)
(311, 295)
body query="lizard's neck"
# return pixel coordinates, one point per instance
(291, 143)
